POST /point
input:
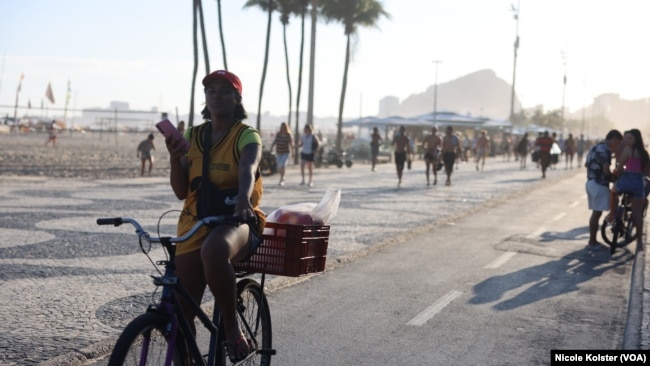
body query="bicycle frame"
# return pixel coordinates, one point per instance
(169, 306)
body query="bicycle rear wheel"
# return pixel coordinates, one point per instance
(144, 342)
(618, 237)
(254, 319)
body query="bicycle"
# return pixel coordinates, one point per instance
(621, 231)
(162, 335)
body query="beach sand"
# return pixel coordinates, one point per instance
(92, 155)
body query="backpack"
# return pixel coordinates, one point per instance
(315, 143)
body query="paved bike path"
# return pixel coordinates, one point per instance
(68, 284)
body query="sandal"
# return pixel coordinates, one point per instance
(239, 350)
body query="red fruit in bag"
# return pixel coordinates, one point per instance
(294, 217)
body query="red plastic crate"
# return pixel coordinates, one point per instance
(289, 250)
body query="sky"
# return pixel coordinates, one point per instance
(141, 52)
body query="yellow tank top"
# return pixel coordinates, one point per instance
(223, 173)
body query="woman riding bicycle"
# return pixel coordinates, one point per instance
(234, 155)
(634, 163)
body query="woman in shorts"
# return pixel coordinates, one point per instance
(632, 166)
(283, 147)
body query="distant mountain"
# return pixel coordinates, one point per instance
(481, 93)
(610, 111)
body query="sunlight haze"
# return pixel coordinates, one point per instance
(141, 52)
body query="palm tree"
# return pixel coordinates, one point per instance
(352, 13)
(197, 9)
(267, 5)
(223, 43)
(190, 121)
(286, 8)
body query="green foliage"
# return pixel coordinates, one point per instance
(353, 13)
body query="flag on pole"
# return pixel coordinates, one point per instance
(48, 93)
(20, 83)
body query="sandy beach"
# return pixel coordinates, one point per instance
(93, 155)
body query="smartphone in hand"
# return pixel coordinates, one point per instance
(167, 129)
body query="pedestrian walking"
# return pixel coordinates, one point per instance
(375, 141)
(52, 133)
(482, 148)
(431, 146)
(283, 143)
(309, 144)
(145, 148)
(402, 148)
(450, 148)
(544, 145)
(522, 151)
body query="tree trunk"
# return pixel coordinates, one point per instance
(286, 60)
(302, 47)
(339, 127)
(190, 121)
(312, 63)
(206, 58)
(223, 43)
(266, 62)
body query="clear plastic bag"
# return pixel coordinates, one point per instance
(309, 213)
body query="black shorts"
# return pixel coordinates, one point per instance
(449, 158)
(400, 158)
(307, 157)
(430, 157)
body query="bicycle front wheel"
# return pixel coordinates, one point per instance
(144, 342)
(254, 319)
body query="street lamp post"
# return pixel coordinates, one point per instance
(563, 91)
(514, 66)
(435, 92)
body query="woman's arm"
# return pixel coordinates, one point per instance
(249, 159)
(178, 177)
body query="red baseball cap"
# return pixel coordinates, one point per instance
(224, 75)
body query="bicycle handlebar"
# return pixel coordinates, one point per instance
(210, 221)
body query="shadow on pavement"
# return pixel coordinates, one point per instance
(573, 234)
(547, 280)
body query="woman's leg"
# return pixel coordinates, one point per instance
(310, 170)
(189, 269)
(223, 245)
(637, 218)
(302, 170)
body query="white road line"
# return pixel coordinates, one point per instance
(559, 216)
(501, 260)
(434, 309)
(536, 233)
(574, 204)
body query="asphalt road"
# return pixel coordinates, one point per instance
(501, 286)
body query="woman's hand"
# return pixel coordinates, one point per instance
(176, 147)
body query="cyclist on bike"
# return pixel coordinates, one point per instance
(598, 177)
(234, 156)
(633, 165)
